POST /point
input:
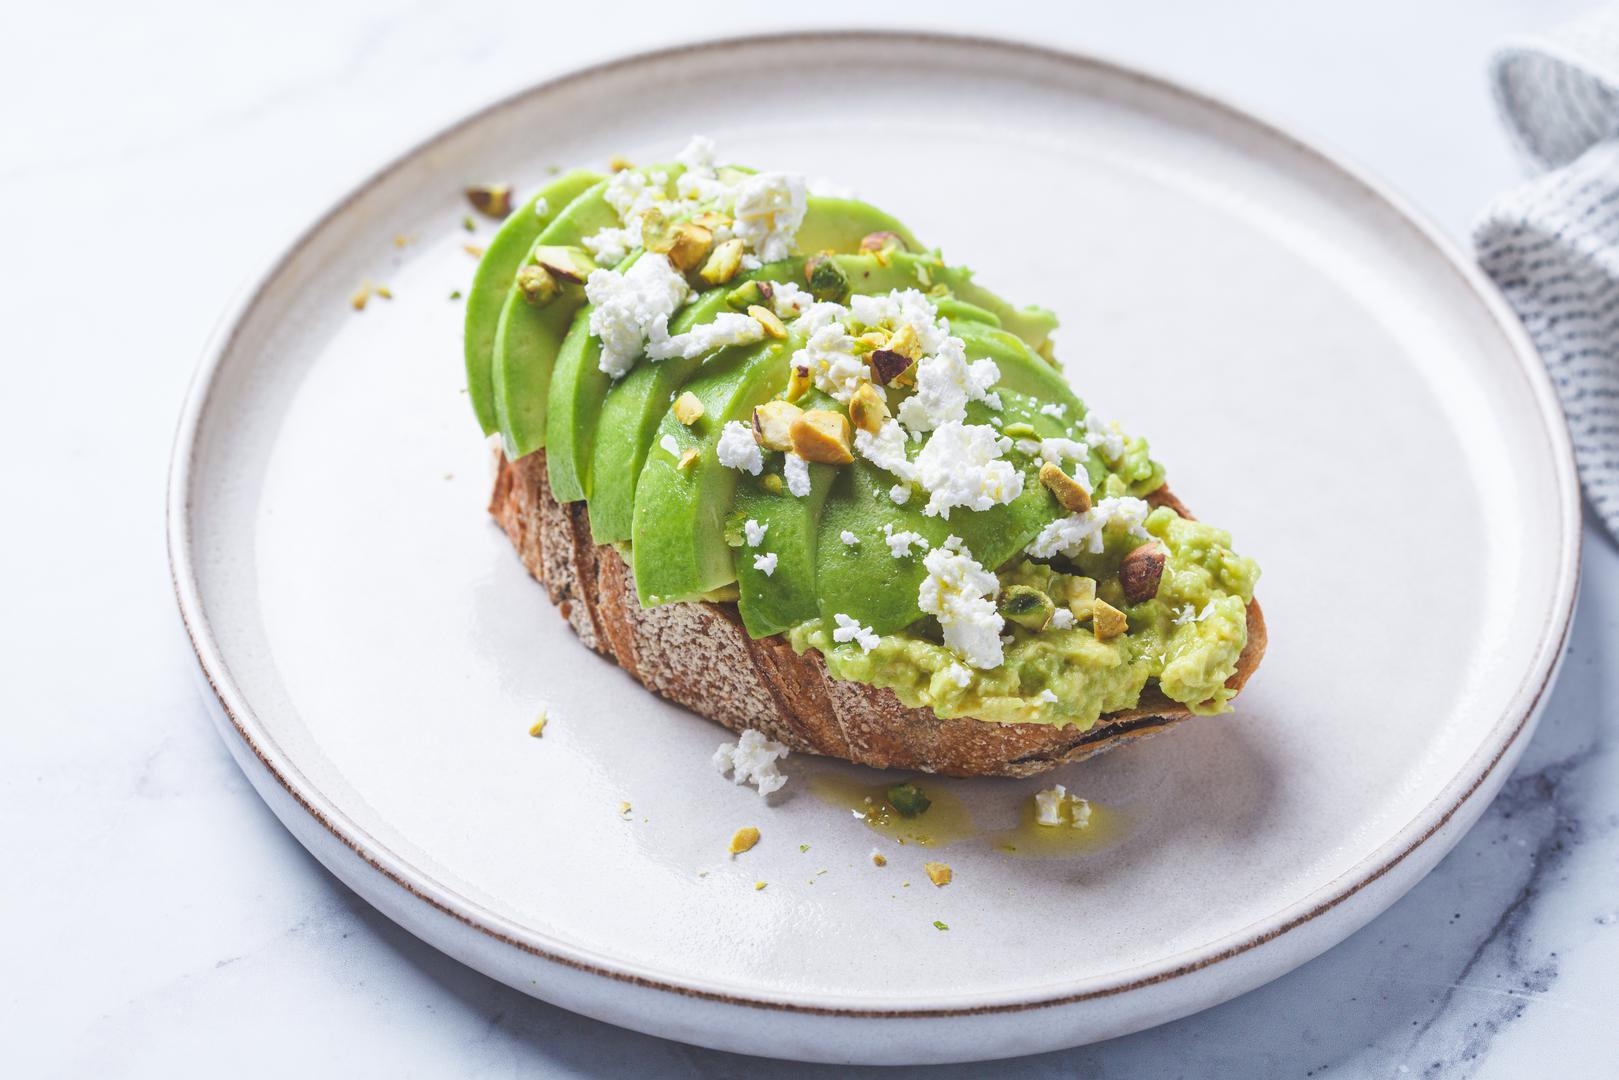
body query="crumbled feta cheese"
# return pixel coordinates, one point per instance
(850, 629)
(632, 306)
(1062, 619)
(795, 470)
(670, 446)
(848, 538)
(630, 193)
(961, 465)
(752, 760)
(1185, 614)
(899, 308)
(1106, 437)
(900, 493)
(960, 593)
(737, 448)
(1054, 409)
(1054, 806)
(959, 674)
(1046, 696)
(788, 300)
(945, 382)
(753, 532)
(886, 449)
(541, 207)
(698, 153)
(899, 543)
(725, 329)
(1075, 533)
(768, 210)
(765, 564)
(828, 353)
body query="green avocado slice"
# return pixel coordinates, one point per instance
(629, 419)
(626, 413)
(486, 299)
(782, 599)
(528, 337)
(867, 582)
(680, 514)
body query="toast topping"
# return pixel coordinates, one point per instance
(1141, 571)
(752, 760)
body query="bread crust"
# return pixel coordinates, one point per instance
(699, 656)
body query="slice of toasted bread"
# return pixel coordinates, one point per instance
(699, 656)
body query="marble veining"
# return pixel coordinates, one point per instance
(160, 918)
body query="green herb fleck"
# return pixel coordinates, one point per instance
(803, 847)
(937, 925)
(468, 224)
(908, 800)
(456, 295)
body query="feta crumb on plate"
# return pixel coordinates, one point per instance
(752, 760)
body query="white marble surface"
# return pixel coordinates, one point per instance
(158, 920)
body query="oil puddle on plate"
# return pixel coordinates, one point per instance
(947, 819)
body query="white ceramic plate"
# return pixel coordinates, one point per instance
(1320, 372)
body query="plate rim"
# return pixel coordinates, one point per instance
(1505, 733)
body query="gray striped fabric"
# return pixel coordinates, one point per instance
(1552, 245)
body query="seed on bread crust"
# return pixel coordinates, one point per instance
(773, 424)
(1141, 571)
(822, 435)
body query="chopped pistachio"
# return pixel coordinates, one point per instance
(798, 381)
(890, 368)
(358, 300)
(688, 458)
(689, 246)
(771, 483)
(767, 319)
(384, 292)
(822, 435)
(938, 873)
(826, 279)
(565, 263)
(723, 264)
(1080, 593)
(924, 276)
(937, 925)
(1027, 606)
(473, 249)
(1109, 621)
(657, 231)
(908, 800)
(1068, 491)
(455, 294)
(1141, 571)
(744, 839)
(540, 721)
(1019, 430)
(773, 424)
(537, 285)
(468, 224)
(758, 886)
(618, 163)
(748, 294)
(879, 859)
(879, 241)
(688, 408)
(905, 342)
(803, 848)
(867, 411)
(401, 240)
(491, 200)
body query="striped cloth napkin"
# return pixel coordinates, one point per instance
(1552, 245)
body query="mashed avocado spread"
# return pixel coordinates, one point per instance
(785, 401)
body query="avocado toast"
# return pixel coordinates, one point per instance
(795, 472)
